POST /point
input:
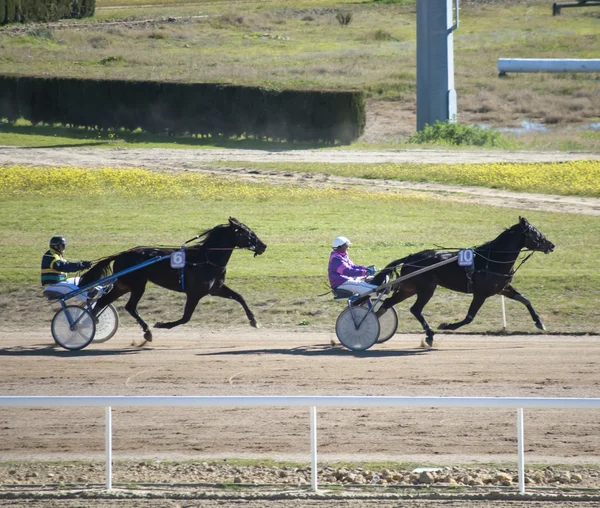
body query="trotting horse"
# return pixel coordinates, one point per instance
(203, 274)
(491, 274)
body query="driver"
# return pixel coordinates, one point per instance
(344, 274)
(55, 268)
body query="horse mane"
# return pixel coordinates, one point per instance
(492, 243)
(202, 238)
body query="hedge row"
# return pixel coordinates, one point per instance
(185, 108)
(14, 11)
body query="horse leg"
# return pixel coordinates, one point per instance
(131, 307)
(226, 292)
(513, 294)
(107, 299)
(190, 307)
(424, 294)
(476, 304)
(399, 295)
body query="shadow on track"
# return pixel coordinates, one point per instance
(50, 350)
(116, 137)
(323, 350)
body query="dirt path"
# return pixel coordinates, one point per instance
(200, 160)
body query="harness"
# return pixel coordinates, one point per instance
(181, 272)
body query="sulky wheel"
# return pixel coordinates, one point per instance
(73, 327)
(360, 336)
(388, 322)
(107, 323)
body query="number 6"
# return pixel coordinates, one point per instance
(178, 259)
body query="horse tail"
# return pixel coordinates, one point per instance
(390, 266)
(380, 278)
(98, 271)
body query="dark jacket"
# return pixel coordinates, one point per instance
(55, 268)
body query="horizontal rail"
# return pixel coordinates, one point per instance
(548, 65)
(297, 401)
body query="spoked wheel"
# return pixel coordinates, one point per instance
(361, 336)
(107, 323)
(388, 322)
(73, 327)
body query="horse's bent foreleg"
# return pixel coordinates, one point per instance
(226, 292)
(476, 304)
(513, 294)
(424, 294)
(131, 307)
(190, 307)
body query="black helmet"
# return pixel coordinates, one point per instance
(57, 240)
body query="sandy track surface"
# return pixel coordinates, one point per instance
(200, 160)
(189, 361)
(242, 361)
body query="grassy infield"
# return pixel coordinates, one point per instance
(283, 285)
(298, 225)
(307, 47)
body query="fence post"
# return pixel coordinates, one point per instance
(108, 448)
(313, 447)
(521, 451)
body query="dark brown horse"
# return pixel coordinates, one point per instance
(203, 274)
(491, 274)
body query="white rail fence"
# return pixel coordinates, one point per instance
(506, 65)
(312, 402)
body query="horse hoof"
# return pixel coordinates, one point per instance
(429, 341)
(254, 324)
(540, 325)
(443, 326)
(158, 325)
(148, 336)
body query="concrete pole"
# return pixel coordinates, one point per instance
(436, 96)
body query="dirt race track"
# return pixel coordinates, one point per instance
(244, 361)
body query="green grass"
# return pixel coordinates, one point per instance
(284, 286)
(300, 44)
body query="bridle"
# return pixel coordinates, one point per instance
(238, 235)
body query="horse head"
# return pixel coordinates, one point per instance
(245, 238)
(534, 239)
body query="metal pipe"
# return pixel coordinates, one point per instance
(548, 65)
(296, 401)
(108, 448)
(114, 276)
(520, 451)
(313, 448)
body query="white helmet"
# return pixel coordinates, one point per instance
(339, 241)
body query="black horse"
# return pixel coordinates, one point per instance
(203, 274)
(491, 274)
